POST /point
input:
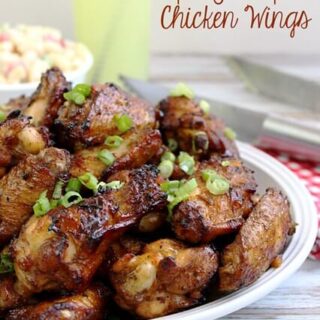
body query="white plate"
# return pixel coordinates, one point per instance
(269, 172)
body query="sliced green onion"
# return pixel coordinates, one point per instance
(168, 156)
(73, 185)
(172, 144)
(113, 141)
(54, 203)
(6, 265)
(230, 134)
(205, 106)
(182, 89)
(89, 181)
(209, 174)
(123, 122)
(181, 194)
(166, 168)
(106, 157)
(113, 185)
(225, 163)
(75, 97)
(83, 89)
(42, 205)
(2, 116)
(170, 186)
(186, 163)
(200, 142)
(218, 186)
(57, 192)
(78, 94)
(70, 198)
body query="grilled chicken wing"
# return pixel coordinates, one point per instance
(21, 187)
(63, 249)
(165, 278)
(89, 305)
(199, 134)
(18, 138)
(19, 103)
(205, 216)
(261, 239)
(137, 148)
(91, 123)
(48, 98)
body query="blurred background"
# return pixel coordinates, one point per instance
(127, 33)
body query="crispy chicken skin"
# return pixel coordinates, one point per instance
(196, 133)
(63, 249)
(18, 138)
(205, 216)
(48, 98)
(261, 239)
(137, 148)
(22, 186)
(89, 124)
(89, 305)
(165, 278)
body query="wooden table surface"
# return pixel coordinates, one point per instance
(299, 296)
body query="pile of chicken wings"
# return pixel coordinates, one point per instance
(162, 215)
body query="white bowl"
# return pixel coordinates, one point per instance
(9, 91)
(269, 172)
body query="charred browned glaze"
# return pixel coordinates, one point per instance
(205, 216)
(166, 277)
(261, 239)
(22, 186)
(91, 123)
(137, 148)
(89, 305)
(196, 133)
(19, 138)
(71, 243)
(48, 98)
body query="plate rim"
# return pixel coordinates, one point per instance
(294, 256)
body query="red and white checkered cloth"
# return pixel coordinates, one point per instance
(309, 173)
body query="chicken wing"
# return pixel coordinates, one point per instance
(63, 249)
(199, 134)
(21, 187)
(19, 103)
(18, 138)
(137, 148)
(89, 305)
(261, 239)
(91, 123)
(48, 98)
(165, 278)
(205, 216)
